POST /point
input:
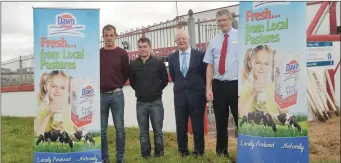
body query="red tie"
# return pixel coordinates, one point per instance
(223, 54)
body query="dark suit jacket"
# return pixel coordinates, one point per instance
(193, 86)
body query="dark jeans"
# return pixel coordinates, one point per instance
(154, 111)
(114, 102)
(196, 112)
(225, 95)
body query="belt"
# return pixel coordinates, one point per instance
(111, 92)
(225, 81)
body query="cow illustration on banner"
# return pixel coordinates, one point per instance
(66, 83)
(273, 123)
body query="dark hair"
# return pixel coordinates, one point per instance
(109, 27)
(143, 40)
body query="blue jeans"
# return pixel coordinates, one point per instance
(154, 111)
(115, 103)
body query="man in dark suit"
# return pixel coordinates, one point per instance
(188, 72)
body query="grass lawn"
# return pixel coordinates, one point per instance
(17, 139)
(57, 148)
(282, 131)
(17, 145)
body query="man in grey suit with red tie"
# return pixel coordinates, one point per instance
(188, 72)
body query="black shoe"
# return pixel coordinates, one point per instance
(119, 161)
(156, 155)
(184, 154)
(223, 155)
(145, 156)
(105, 161)
(196, 154)
(227, 155)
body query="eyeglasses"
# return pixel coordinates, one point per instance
(223, 20)
(181, 38)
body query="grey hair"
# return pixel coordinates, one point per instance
(224, 12)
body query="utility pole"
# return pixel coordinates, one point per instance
(176, 5)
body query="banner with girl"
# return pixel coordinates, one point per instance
(273, 125)
(66, 83)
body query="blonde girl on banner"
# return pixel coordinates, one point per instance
(258, 87)
(54, 104)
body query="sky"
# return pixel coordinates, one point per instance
(17, 18)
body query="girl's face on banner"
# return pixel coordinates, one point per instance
(261, 63)
(57, 87)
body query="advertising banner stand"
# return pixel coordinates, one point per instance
(66, 84)
(273, 123)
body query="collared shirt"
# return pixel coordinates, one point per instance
(213, 51)
(188, 57)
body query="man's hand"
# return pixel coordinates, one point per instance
(209, 76)
(209, 95)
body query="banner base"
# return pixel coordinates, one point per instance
(94, 156)
(273, 149)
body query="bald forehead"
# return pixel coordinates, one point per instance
(181, 34)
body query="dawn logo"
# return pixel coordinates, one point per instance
(267, 3)
(291, 68)
(87, 91)
(66, 24)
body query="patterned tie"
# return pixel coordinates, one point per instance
(223, 54)
(184, 64)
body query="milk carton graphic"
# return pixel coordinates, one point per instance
(82, 98)
(58, 116)
(261, 97)
(286, 78)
